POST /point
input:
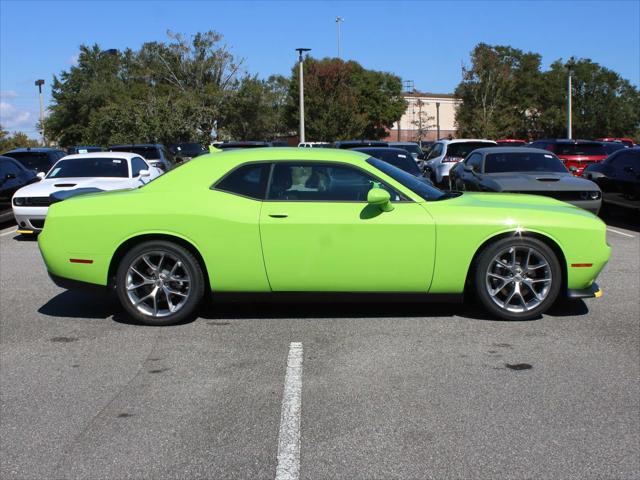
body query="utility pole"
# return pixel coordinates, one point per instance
(300, 62)
(437, 120)
(39, 83)
(339, 20)
(569, 94)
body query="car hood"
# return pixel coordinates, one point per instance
(513, 204)
(537, 182)
(46, 187)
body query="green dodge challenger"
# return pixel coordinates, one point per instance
(318, 220)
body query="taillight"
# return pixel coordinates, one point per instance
(452, 159)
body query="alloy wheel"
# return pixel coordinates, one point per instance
(518, 279)
(157, 283)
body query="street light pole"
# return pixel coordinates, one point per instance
(300, 60)
(39, 83)
(437, 120)
(339, 20)
(569, 94)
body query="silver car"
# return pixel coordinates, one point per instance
(446, 153)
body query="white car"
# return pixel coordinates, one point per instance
(87, 172)
(446, 153)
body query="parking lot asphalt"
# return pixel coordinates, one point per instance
(389, 390)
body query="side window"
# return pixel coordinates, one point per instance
(475, 162)
(137, 164)
(322, 182)
(435, 151)
(248, 180)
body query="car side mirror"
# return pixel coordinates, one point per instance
(144, 173)
(573, 169)
(380, 198)
(10, 176)
(467, 168)
(40, 175)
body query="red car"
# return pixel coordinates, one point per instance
(626, 141)
(511, 142)
(575, 154)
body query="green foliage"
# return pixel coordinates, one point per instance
(15, 140)
(165, 92)
(506, 94)
(343, 100)
(254, 110)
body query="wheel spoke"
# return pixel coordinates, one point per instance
(146, 260)
(526, 263)
(145, 277)
(174, 292)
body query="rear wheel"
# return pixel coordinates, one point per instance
(159, 283)
(518, 278)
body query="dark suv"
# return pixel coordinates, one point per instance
(575, 154)
(36, 159)
(187, 150)
(12, 177)
(155, 153)
(349, 144)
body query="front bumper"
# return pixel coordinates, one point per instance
(591, 292)
(30, 218)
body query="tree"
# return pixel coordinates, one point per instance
(15, 140)
(254, 111)
(505, 93)
(500, 93)
(164, 92)
(343, 100)
(422, 121)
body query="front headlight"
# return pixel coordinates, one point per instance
(19, 201)
(593, 195)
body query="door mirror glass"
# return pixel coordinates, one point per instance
(380, 198)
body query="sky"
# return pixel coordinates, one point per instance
(422, 41)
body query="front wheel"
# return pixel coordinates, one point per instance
(518, 278)
(159, 283)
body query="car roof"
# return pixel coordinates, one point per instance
(466, 140)
(121, 155)
(568, 141)
(403, 143)
(487, 150)
(34, 149)
(399, 151)
(283, 153)
(128, 145)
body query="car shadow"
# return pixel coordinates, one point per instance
(622, 218)
(101, 306)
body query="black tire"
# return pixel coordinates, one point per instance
(188, 286)
(524, 282)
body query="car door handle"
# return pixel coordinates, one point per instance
(278, 215)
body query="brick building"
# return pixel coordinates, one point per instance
(422, 114)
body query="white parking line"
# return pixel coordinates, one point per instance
(9, 232)
(289, 436)
(620, 233)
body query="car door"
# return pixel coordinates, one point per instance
(319, 233)
(626, 177)
(471, 179)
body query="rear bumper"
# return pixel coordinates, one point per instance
(591, 292)
(69, 284)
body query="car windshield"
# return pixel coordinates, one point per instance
(404, 161)
(409, 147)
(425, 190)
(580, 149)
(192, 149)
(522, 162)
(36, 161)
(90, 167)
(462, 149)
(150, 153)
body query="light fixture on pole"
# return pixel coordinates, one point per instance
(300, 61)
(339, 20)
(38, 83)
